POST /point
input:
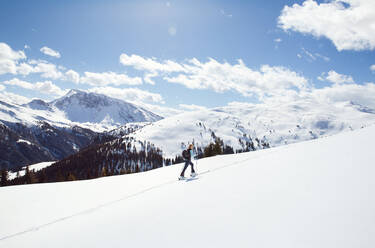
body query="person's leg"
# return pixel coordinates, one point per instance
(183, 170)
(192, 167)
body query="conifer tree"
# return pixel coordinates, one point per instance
(4, 177)
(71, 177)
(104, 171)
(30, 176)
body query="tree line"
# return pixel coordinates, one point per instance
(119, 157)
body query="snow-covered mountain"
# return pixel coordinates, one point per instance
(80, 106)
(90, 110)
(239, 124)
(311, 194)
(44, 131)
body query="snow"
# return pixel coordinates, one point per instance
(277, 124)
(78, 108)
(317, 193)
(35, 167)
(24, 141)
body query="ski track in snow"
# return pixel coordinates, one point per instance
(90, 210)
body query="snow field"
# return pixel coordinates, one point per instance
(311, 194)
(35, 167)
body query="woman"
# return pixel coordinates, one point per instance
(189, 154)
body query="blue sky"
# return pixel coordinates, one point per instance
(90, 36)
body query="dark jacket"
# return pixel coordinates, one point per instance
(189, 155)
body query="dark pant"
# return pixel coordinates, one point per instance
(187, 163)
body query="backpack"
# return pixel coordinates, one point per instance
(185, 154)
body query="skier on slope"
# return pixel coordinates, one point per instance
(188, 155)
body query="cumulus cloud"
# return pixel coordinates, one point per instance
(72, 76)
(372, 67)
(129, 94)
(150, 64)
(109, 78)
(46, 87)
(363, 94)
(24, 69)
(50, 52)
(336, 78)
(9, 59)
(46, 69)
(221, 77)
(349, 24)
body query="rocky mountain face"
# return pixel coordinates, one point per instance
(22, 145)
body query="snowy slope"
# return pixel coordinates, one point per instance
(317, 193)
(34, 167)
(80, 106)
(277, 124)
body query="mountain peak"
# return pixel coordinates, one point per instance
(74, 92)
(38, 104)
(82, 106)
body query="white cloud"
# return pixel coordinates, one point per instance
(150, 64)
(9, 59)
(278, 40)
(129, 94)
(2, 87)
(349, 24)
(361, 94)
(325, 58)
(46, 87)
(148, 77)
(26, 46)
(46, 69)
(50, 52)
(310, 56)
(321, 78)
(372, 68)
(109, 78)
(72, 76)
(338, 78)
(24, 69)
(221, 77)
